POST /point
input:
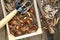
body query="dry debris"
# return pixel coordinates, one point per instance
(49, 12)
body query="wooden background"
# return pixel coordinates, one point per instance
(44, 36)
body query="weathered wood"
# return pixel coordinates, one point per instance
(2, 31)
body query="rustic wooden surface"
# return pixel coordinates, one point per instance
(44, 36)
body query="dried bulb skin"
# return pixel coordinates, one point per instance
(34, 27)
(12, 32)
(24, 28)
(28, 31)
(31, 11)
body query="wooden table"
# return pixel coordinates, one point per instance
(44, 36)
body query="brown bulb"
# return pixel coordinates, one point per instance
(30, 19)
(34, 27)
(16, 30)
(22, 24)
(10, 26)
(29, 31)
(14, 22)
(22, 21)
(25, 17)
(23, 28)
(31, 11)
(17, 27)
(27, 28)
(18, 33)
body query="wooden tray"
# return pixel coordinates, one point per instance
(39, 31)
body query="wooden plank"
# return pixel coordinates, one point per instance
(2, 31)
(57, 35)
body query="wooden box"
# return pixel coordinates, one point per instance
(39, 31)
